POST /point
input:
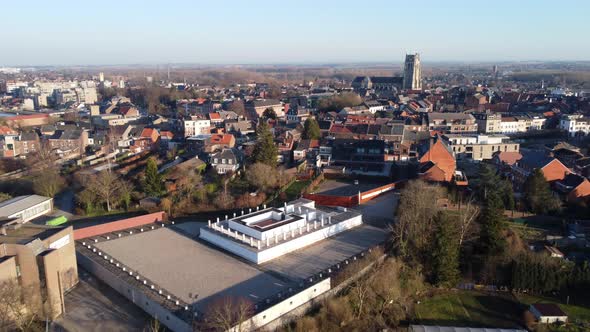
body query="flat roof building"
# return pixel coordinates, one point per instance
(26, 207)
(41, 260)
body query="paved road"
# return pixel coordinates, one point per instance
(94, 306)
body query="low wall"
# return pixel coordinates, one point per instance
(370, 194)
(119, 225)
(350, 201)
(328, 200)
(279, 310)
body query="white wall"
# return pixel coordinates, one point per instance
(281, 249)
(306, 240)
(283, 307)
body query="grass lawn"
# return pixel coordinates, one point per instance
(470, 308)
(575, 311)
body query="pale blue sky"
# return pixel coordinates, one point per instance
(60, 32)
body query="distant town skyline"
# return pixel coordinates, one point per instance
(300, 32)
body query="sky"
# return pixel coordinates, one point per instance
(107, 32)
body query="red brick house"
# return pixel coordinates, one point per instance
(147, 141)
(437, 163)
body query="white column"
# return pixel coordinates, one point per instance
(264, 206)
(258, 244)
(307, 227)
(251, 242)
(267, 242)
(284, 236)
(315, 224)
(209, 223)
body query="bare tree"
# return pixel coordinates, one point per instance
(416, 211)
(262, 176)
(166, 205)
(467, 215)
(45, 171)
(17, 309)
(227, 313)
(106, 186)
(48, 182)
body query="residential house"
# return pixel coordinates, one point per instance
(437, 163)
(552, 168)
(358, 156)
(28, 142)
(575, 188)
(548, 313)
(225, 161)
(305, 147)
(392, 132)
(69, 142)
(240, 127)
(218, 142)
(148, 140)
(8, 138)
(575, 125)
(297, 114)
(196, 126)
(488, 123)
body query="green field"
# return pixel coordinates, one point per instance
(470, 308)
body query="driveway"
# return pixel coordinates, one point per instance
(94, 306)
(380, 210)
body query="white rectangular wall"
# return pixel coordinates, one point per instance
(283, 307)
(286, 247)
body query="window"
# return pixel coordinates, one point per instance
(215, 160)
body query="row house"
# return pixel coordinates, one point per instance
(552, 168)
(148, 140)
(69, 142)
(452, 123)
